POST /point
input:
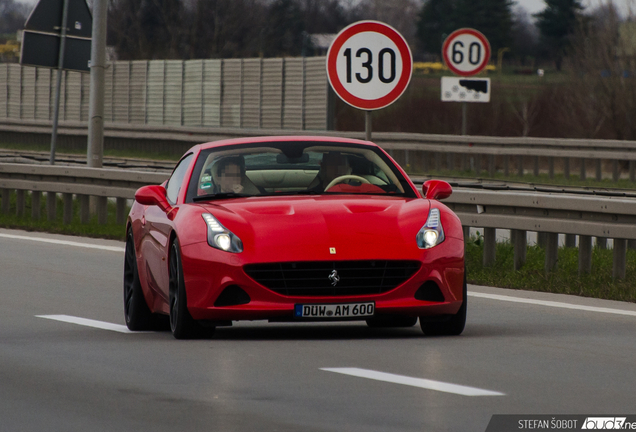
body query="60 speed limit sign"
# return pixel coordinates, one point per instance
(369, 65)
(466, 52)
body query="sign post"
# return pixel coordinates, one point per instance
(369, 66)
(466, 52)
(58, 83)
(49, 41)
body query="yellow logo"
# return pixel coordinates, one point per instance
(332, 251)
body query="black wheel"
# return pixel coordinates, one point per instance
(453, 325)
(136, 312)
(182, 325)
(388, 321)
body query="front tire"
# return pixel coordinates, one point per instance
(136, 311)
(182, 325)
(453, 326)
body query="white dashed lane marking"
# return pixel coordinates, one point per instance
(64, 242)
(553, 304)
(87, 323)
(414, 382)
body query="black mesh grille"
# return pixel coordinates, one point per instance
(312, 278)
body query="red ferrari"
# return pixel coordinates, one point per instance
(293, 229)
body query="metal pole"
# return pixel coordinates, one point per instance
(463, 118)
(367, 125)
(95, 150)
(58, 84)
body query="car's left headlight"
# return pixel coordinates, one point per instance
(432, 233)
(220, 237)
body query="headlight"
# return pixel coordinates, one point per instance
(220, 237)
(432, 232)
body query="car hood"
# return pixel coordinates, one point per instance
(323, 227)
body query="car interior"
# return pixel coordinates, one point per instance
(269, 171)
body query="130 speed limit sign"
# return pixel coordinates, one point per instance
(466, 52)
(369, 65)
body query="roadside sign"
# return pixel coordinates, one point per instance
(46, 17)
(466, 52)
(369, 65)
(42, 35)
(41, 49)
(456, 89)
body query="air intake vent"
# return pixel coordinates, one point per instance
(429, 291)
(232, 296)
(318, 278)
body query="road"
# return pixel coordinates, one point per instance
(521, 353)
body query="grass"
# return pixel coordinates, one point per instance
(564, 280)
(111, 230)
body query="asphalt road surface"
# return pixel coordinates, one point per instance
(67, 363)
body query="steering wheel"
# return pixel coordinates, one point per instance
(346, 177)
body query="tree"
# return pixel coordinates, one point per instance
(13, 15)
(491, 17)
(324, 16)
(400, 14)
(601, 100)
(557, 22)
(146, 29)
(525, 36)
(226, 28)
(439, 18)
(285, 30)
(436, 21)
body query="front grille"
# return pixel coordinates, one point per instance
(312, 278)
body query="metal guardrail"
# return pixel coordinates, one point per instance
(71, 181)
(422, 152)
(549, 213)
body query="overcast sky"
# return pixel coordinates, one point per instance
(533, 6)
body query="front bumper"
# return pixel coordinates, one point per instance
(207, 272)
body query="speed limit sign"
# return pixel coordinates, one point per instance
(369, 65)
(466, 52)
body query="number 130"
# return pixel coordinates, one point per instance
(368, 65)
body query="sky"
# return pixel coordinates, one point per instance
(534, 6)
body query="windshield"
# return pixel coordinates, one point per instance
(294, 168)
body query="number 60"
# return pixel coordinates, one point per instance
(474, 53)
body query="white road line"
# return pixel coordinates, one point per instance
(414, 382)
(64, 242)
(87, 323)
(552, 304)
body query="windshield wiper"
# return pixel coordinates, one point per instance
(219, 195)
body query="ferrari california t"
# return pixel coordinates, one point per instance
(293, 229)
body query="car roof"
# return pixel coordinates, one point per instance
(285, 138)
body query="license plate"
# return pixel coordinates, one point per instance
(346, 310)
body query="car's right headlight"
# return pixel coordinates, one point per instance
(220, 237)
(432, 233)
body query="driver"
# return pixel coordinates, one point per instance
(230, 174)
(333, 165)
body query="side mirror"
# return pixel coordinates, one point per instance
(153, 195)
(436, 189)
